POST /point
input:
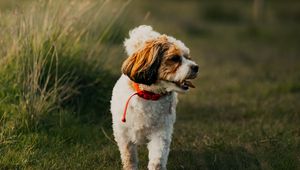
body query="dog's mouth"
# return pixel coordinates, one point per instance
(184, 85)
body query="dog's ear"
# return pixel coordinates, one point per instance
(142, 67)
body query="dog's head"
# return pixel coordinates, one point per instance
(158, 59)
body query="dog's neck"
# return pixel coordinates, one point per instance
(154, 88)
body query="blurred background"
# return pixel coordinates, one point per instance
(60, 59)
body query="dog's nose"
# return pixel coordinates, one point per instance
(195, 68)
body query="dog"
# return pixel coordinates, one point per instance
(157, 68)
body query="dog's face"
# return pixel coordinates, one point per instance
(162, 61)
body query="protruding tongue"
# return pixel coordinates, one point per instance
(189, 84)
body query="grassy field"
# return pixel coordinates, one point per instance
(59, 61)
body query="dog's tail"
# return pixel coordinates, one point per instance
(137, 38)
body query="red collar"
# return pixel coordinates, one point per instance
(147, 95)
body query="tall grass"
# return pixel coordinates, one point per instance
(52, 58)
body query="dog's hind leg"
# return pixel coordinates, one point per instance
(129, 155)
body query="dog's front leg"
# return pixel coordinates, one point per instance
(129, 158)
(158, 152)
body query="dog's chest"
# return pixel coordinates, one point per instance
(150, 116)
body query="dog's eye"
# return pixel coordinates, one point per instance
(176, 58)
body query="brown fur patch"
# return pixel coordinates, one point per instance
(142, 66)
(168, 66)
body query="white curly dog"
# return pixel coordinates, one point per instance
(157, 68)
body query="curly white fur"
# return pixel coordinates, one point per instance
(139, 35)
(147, 121)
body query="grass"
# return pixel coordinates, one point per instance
(53, 77)
(59, 63)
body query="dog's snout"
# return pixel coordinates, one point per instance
(195, 68)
